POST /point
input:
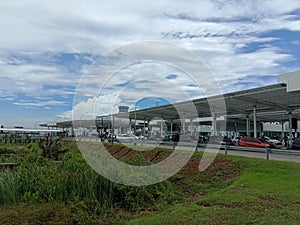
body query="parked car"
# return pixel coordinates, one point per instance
(166, 139)
(273, 141)
(235, 140)
(202, 139)
(125, 138)
(296, 143)
(220, 140)
(153, 138)
(216, 140)
(111, 138)
(268, 142)
(252, 142)
(187, 138)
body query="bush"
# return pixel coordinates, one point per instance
(38, 179)
(6, 150)
(34, 148)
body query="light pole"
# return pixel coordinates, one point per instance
(135, 106)
(80, 119)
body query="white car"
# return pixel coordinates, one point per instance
(273, 141)
(125, 138)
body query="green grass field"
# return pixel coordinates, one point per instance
(266, 192)
(233, 190)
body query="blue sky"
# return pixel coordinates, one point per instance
(47, 47)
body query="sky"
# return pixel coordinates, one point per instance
(89, 57)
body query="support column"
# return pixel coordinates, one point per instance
(183, 124)
(247, 125)
(148, 125)
(261, 129)
(235, 127)
(130, 127)
(112, 128)
(144, 127)
(171, 128)
(291, 130)
(282, 129)
(161, 127)
(102, 129)
(214, 124)
(254, 122)
(192, 127)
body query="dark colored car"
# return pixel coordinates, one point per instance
(216, 140)
(202, 139)
(252, 142)
(166, 140)
(187, 138)
(296, 143)
(219, 140)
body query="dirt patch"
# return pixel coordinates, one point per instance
(222, 205)
(221, 171)
(189, 181)
(124, 153)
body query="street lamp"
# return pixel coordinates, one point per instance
(80, 120)
(135, 106)
(82, 114)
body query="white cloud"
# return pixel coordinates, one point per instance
(97, 27)
(40, 103)
(217, 31)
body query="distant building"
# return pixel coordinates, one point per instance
(123, 108)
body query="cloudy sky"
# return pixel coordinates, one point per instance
(50, 52)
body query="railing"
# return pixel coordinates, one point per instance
(267, 151)
(228, 148)
(19, 140)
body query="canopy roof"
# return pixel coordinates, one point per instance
(272, 103)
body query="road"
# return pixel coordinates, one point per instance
(262, 155)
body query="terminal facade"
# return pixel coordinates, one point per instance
(272, 110)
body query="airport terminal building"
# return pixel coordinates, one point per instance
(272, 110)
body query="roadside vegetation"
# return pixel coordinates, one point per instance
(61, 188)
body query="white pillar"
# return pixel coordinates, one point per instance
(282, 129)
(291, 130)
(161, 127)
(192, 127)
(183, 124)
(91, 130)
(171, 128)
(254, 122)
(113, 124)
(144, 127)
(235, 128)
(247, 125)
(214, 124)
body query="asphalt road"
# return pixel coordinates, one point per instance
(272, 156)
(262, 155)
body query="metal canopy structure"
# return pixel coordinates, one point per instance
(271, 103)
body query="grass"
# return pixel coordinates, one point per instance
(233, 190)
(266, 192)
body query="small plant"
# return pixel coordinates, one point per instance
(34, 148)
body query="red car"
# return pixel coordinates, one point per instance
(252, 142)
